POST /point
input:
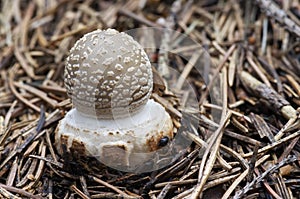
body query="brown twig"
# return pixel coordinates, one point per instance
(279, 15)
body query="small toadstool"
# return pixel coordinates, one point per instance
(108, 77)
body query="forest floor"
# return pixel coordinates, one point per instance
(234, 94)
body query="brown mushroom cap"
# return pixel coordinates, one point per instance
(108, 75)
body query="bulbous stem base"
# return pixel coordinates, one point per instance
(123, 143)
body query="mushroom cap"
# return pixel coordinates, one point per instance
(108, 75)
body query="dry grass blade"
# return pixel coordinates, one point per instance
(262, 127)
(263, 175)
(275, 144)
(20, 192)
(212, 149)
(125, 195)
(6, 194)
(220, 66)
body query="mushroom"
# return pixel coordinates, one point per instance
(108, 78)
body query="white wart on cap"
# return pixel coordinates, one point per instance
(108, 75)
